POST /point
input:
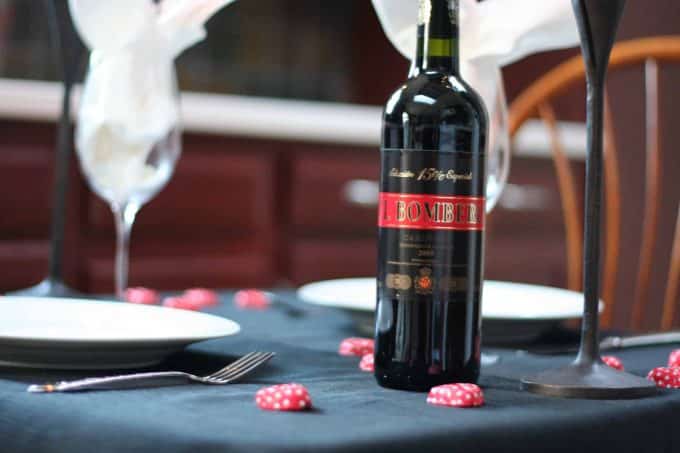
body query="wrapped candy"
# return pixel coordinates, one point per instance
(283, 397)
(456, 395)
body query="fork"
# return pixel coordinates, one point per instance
(226, 375)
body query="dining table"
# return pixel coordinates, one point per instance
(350, 412)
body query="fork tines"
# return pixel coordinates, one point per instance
(240, 367)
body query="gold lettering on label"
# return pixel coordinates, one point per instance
(431, 174)
(427, 174)
(472, 214)
(413, 211)
(384, 210)
(401, 211)
(431, 211)
(439, 212)
(448, 212)
(396, 173)
(456, 176)
(459, 212)
(434, 174)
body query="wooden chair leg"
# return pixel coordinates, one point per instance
(670, 303)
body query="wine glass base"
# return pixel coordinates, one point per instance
(588, 381)
(47, 288)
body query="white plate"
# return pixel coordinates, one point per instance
(511, 311)
(502, 300)
(87, 334)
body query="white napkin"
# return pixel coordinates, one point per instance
(129, 100)
(493, 33)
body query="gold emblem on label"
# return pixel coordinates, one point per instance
(424, 281)
(398, 281)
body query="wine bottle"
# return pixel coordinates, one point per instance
(431, 217)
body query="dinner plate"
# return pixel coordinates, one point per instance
(87, 334)
(511, 312)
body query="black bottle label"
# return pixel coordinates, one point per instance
(431, 218)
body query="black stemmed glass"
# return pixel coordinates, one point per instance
(70, 51)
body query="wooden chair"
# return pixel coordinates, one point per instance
(536, 100)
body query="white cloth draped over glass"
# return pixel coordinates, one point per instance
(127, 103)
(128, 100)
(493, 33)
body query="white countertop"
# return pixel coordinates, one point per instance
(271, 118)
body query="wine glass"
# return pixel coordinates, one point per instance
(498, 155)
(128, 139)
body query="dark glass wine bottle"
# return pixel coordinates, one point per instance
(431, 217)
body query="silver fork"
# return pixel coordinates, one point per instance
(226, 375)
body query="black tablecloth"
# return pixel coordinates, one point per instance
(351, 412)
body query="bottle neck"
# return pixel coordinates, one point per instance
(437, 47)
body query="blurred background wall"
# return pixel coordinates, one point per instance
(246, 210)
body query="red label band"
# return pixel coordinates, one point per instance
(430, 212)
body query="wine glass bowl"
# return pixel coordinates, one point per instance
(135, 178)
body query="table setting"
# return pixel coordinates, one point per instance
(350, 412)
(295, 368)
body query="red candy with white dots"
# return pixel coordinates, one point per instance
(356, 346)
(674, 359)
(283, 397)
(180, 302)
(201, 297)
(613, 362)
(665, 377)
(251, 299)
(456, 395)
(366, 363)
(140, 295)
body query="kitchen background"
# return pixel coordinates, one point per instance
(273, 200)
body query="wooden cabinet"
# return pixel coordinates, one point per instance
(330, 235)
(243, 212)
(525, 236)
(319, 259)
(25, 174)
(213, 225)
(320, 179)
(22, 262)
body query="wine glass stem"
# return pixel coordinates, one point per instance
(124, 215)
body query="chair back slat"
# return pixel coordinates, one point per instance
(567, 188)
(650, 216)
(670, 302)
(612, 194)
(536, 100)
